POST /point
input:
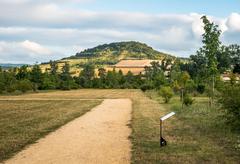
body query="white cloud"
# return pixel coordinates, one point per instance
(233, 22)
(68, 30)
(35, 48)
(25, 52)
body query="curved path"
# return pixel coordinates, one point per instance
(100, 136)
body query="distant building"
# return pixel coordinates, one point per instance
(227, 77)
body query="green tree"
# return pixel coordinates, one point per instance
(2, 82)
(53, 67)
(36, 76)
(211, 46)
(166, 93)
(24, 85)
(230, 100)
(66, 78)
(23, 73)
(86, 76)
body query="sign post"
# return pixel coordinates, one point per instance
(163, 142)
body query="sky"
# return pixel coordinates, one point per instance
(42, 30)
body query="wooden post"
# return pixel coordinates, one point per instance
(182, 96)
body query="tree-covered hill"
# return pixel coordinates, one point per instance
(122, 50)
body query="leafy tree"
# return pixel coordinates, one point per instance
(112, 79)
(211, 45)
(166, 93)
(187, 100)
(24, 85)
(155, 74)
(48, 82)
(224, 59)
(2, 82)
(36, 76)
(230, 100)
(53, 67)
(234, 52)
(22, 73)
(66, 80)
(88, 72)
(201, 88)
(10, 81)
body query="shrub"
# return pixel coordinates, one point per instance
(11, 88)
(201, 88)
(24, 85)
(2, 87)
(187, 100)
(230, 100)
(146, 86)
(166, 93)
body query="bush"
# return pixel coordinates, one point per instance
(2, 87)
(230, 100)
(187, 100)
(166, 93)
(24, 85)
(201, 88)
(147, 86)
(11, 88)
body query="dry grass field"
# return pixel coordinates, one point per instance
(194, 135)
(22, 122)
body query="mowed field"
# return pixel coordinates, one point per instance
(22, 122)
(194, 135)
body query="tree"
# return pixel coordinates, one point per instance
(155, 74)
(24, 85)
(234, 52)
(230, 100)
(224, 59)
(211, 45)
(86, 76)
(22, 73)
(48, 82)
(2, 85)
(53, 67)
(66, 79)
(36, 76)
(166, 93)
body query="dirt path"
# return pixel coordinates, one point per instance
(100, 136)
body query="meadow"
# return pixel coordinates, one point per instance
(196, 134)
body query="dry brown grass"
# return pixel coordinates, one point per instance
(22, 122)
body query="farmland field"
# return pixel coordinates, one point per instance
(194, 135)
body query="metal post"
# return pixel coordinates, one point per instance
(163, 142)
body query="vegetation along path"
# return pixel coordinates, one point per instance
(99, 136)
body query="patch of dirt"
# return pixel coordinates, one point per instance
(100, 136)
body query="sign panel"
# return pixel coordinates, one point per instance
(167, 116)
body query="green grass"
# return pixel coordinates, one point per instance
(196, 134)
(23, 122)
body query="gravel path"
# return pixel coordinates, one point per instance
(100, 136)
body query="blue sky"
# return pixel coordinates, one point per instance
(40, 30)
(209, 7)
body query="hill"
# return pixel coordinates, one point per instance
(122, 50)
(109, 54)
(9, 65)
